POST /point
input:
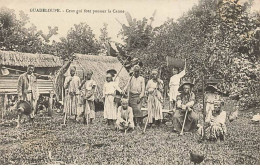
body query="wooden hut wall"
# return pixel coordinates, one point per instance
(8, 85)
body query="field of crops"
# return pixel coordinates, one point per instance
(48, 142)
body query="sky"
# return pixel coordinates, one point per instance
(64, 20)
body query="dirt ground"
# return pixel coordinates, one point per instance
(48, 142)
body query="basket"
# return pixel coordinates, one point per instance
(175, 62)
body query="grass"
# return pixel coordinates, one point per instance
(48, 142)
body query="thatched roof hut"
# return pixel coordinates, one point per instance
(17, 62)
(11, 58)
(46, 64)
(99, 65)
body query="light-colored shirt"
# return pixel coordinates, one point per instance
(125, 115)
(220, 119)
(136, 85)
(30, 77)
(73, 86)
(211, 97)
(116, 79)
(88, 86)
(175, 79)
(151, 85)
(110, 88)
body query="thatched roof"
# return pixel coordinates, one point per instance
(99, 65)
(12, 58)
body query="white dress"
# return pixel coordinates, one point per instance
(174, 85)
(110, 107)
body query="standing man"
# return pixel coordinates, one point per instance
(185, 102)
(136, 90)
(27, 88)
(72, 94)
(88, 87)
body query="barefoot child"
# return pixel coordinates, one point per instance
(109, 92)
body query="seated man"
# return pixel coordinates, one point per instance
(216, 128)
(125, 119)
(185, 102)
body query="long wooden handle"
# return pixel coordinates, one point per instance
(184, 122)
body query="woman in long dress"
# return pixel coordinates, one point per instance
(154, 89)
(109, 93)
(72, 94)
(174, 84)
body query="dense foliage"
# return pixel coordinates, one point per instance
(218, 38)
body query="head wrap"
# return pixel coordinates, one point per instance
(124, 100)
(31, 66)
(73, 68)
(136, 68)
(90, 72)
(219, 102)
(108, 75)
(154, 71)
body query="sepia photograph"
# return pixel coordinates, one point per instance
(130, 82)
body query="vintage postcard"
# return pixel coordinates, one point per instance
(140, 82)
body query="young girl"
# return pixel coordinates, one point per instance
(109, 92)
(174, 84)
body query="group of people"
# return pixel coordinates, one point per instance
(80, 96)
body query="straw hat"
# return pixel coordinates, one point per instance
(188, 82)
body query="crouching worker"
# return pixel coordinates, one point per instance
(125, 116)
(185, 102)
(216, 129)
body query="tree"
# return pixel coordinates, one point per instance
(218, 37)
(81, 39)
(105, 42)
(15, 36)
(138, 33)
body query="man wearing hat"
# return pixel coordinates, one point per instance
(185, 102)
(72, 94)
(88, 87)
(124, 116)
(27, 87)
(136, 90)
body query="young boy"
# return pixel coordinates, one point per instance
(88, 87)
(109, 92)
(125, 119)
